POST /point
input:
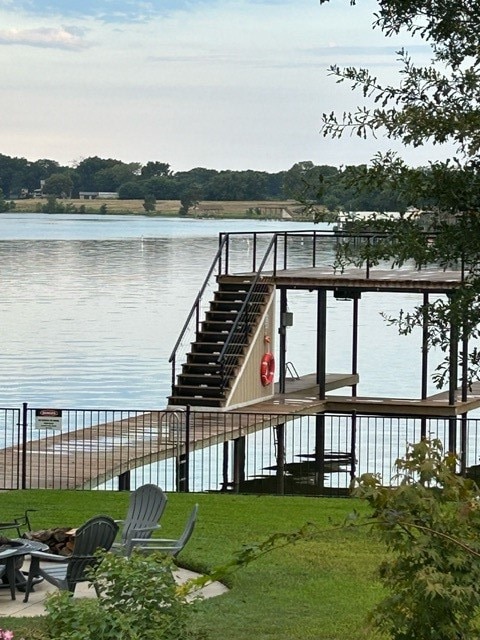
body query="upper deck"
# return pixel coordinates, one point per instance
(406, 280)
(308, 260)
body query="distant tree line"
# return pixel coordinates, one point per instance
(331, 187)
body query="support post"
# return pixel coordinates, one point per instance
(282, 342)
(280, 435)
(463, 444)
(320, 451)
(238, 462)
(452, 384)
(321, 342)
(124, 481)
(424, 382)
(183, 459)
(355, 344)
(23, 447)
(225, 462)
(353, 447)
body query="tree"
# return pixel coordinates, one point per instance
(87, 169)
(110, 178)
(189, 198)
(437, 103)
(4, 204)
(155, 170)
(131, 190)
(149, 203)
(163, 187)
(58, 184)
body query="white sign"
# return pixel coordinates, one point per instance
(48, 418)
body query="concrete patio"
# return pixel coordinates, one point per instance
(36, 604)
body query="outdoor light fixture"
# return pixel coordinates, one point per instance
(347, 294)
(287, 319)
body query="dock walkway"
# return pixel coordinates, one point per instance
(90, 456)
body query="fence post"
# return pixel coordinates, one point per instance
(124, 481)
(24, 445)
(280, 433)
(183, 460)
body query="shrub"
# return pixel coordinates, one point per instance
(431, 525)
(139, 600)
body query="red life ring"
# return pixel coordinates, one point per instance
(267, 369)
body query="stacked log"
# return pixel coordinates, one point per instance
(60, 540)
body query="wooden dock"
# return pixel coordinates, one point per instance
(88, 457)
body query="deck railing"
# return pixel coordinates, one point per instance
(213, 451)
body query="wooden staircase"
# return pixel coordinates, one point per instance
(204, 381)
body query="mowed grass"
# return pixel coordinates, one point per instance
(210, 209)
(321, 589)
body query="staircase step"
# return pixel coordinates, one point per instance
(192, 391)
(214, 348)
(219, 337)
(209, 369)
(224, 328)
(234, 286)
(196, 402)
(225, 297)
(252, 312)
(199, 380)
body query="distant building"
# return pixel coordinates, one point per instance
(101, 195)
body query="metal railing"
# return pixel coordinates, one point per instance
(239, 333)
(215, 451)
(196, 310)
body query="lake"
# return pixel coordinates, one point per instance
(92, 307)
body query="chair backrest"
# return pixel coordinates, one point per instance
(97, 533)
(146, 507)
(187, 532)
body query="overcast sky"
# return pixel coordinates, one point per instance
(220, 84)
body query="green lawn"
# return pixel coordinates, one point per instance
(320, 590)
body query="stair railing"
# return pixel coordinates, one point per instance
(195, 311)
(230, 349)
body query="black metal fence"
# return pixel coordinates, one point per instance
(213, 451)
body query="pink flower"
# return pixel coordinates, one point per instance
(6, 635)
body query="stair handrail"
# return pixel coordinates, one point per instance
(244, 308)
(196, 305)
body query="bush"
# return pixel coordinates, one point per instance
(138, 600)
(431, 525)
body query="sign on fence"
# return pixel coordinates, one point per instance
(48, 418)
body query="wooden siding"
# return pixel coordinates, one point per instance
(248, 388)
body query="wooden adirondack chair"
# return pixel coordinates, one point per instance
(97, 533)
(147, 504)
(168, 546)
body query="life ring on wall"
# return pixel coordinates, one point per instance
(267, 369)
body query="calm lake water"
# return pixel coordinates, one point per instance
(92, 306)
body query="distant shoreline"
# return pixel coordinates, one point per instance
(255, 210)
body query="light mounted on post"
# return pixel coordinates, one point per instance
(347, 294)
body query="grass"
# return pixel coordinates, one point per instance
(322, 589)
(225, 209)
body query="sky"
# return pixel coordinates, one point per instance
(220, 84)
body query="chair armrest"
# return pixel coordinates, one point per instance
(152, 528)
(151, 542)
(7, 554)
(44, 555)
